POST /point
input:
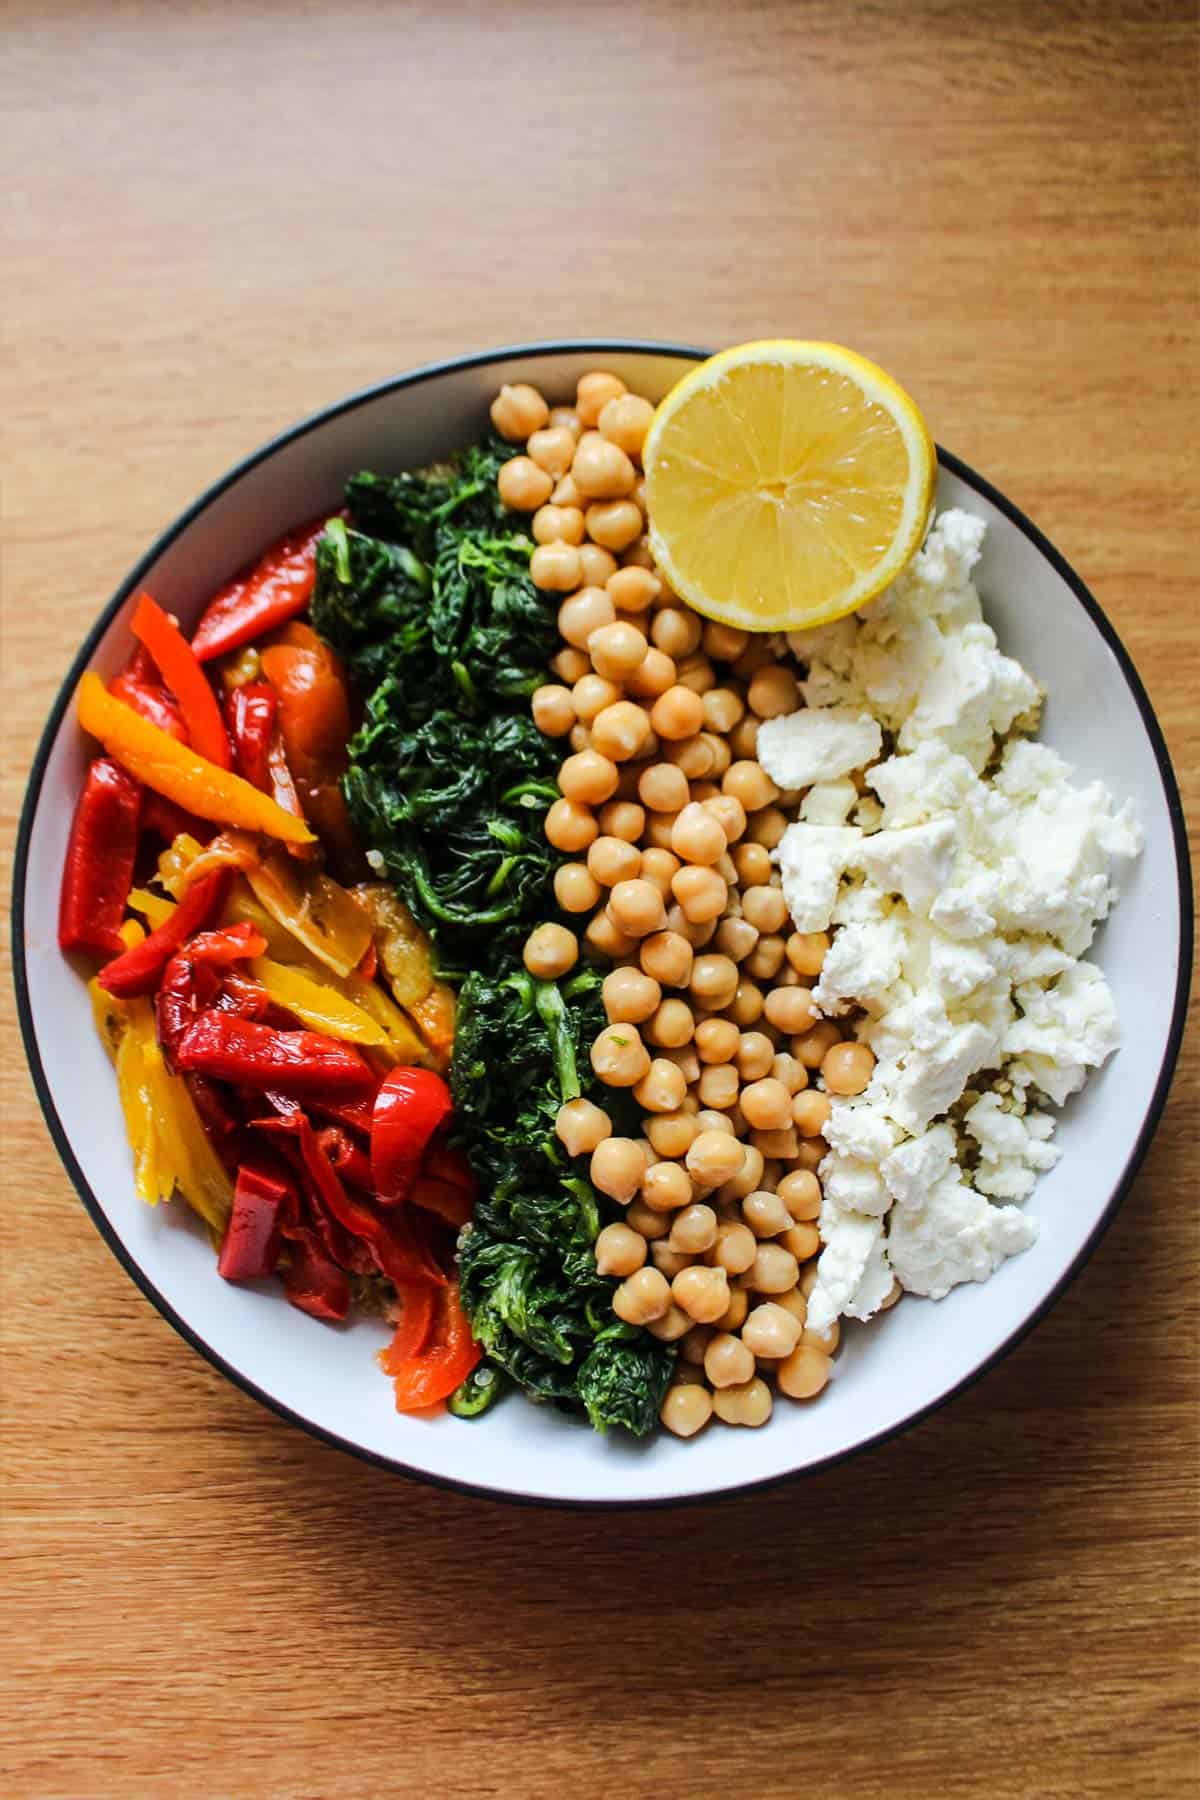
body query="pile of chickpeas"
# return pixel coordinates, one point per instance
(669, 821)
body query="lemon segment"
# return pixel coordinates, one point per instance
(787, 483)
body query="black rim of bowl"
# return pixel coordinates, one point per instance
(415, 378)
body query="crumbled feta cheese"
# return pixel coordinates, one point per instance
(1065, 1029)
(1013, 1148)
(914, 861)
(829, 802)
(817, 744)
(862, 965)
(812, 860)
(953, 1234)
(853, 1276)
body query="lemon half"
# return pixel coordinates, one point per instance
(787, 483)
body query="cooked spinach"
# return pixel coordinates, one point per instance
(426, 595)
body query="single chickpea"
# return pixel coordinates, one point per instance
(735, 1247)
(625, 420)
(550, 951)
(651, 1225)
(847, 1068)
(642, 1296)
(708, 1119)
(567, 417)
(693, 1230)
(622, 818)
(702, 1292)
(553, 710)
(800, 1192)
(619, 1057)
(701, 893)
(556, 569)
(663, 788)
(581, 1126)
(766, 959)
(661, 1088)
(614, 524)
(575, 889)
(617, 650)
(674, 1323)
(766, 1215)
(790, 1009)
(714, 1157)
(767, 1106)
(731, 817)
(669, 1262)
(728, 1362)
(686, 1409)
(621, 730)
(697, 673)
(807, 950)
(810, 1154)
(611, 859)
(720, 755)
(667, 956)
(804, 1373)
(771, 1331)
(810, 1112)
(749, 1403)
(780, 1144)
(659, 866)
(735, 939)
(693, 1346)
(670, 1134)
(687, 1062)
(570, 826)
(606, 939)
(722, 709)
(588, 777)
(579, 738)
(698, 837)
(593, 393)
(553, 450)
(773, 1271)
(753, 864)
(672, 1025)
(795, 1304)
(658, 831)
(765, 907)
(714, 978)
(749, 1178)
(522, 485)
(697, 932)
(894, 1293)
(633, 588)
(570, 665)
(567, 494)
(803, 1240)
(597, 566)
(812, 1046)
(678, 715)
(678, 633)
(629, 996)
(585, 613)
(747, 1004)
(790, 1070)
(591, 694)
(617, 1168)
(637, 907)
(666, 1187)
(619, 1251)
(518, 411)
(750, 784)
(772, 692)
(718, 1086)
(827, 1340)
(602, 471)
(716, 1040)
(724, 643)
(755, 1054)
(768, 826)
(655, 675)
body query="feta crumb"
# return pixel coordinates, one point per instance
(812, 860)
(817, 744)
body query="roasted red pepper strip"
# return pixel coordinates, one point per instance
(168, 821)
(222, 1127)
(253, 1238)
(250, 713)
(453, 1204)
(350, 1161)
(138, 685)
(401, 1252)
(445, 1163)
(311, 1281)
(138, 970)
(176, 663)
(355, 1114)
(447, 1358)
(418, 1303)
(276, 589)
(315, 722)
(101, 852)
(191, 981)
(294, 1062)
(410, 1106)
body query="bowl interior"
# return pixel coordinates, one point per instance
(888, 1371)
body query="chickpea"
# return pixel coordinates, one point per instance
(686, 1409)
(569, 419)
(522, 485)
(625, 420)
(678, 714)
(767, 1106)
(781, 1143)
(619, 1057)
(614, 524)
(556, 568)
(655, 675)
(735, 1247)
(632, 589)
(581, 616)
(790, 1070)
(611, 860)
(847, 1068)
(658, 831)
(568, 495)
(773, 1271)
(800, 1192)
(663, 788)
(642, 1296)
(812, 1046)
(570, 665)
(701, 893)
(714, 1158)
(659, 866)
(621, 730)
(570, 826)
(810, 1154)
(743, 739)
(617, 650)
(749, 783)
(702, 1292)
(804, 1373)
(772, 692)
(790, 1009)
(602, 471)
(667, 956)
(637, 907)
(596, 565)
(720, 756)
(766, 1215)
(697, 673)
(553, 710)
(727, 1361)
(581, 1126)
(765, 907)
(678, 633)
(619, 1251)
(672, 1025)
(767, 826)
(688, 1063)
(669, 1262)
(693, 1230)
(807, 950)
(697, 837)
(766, 959)
(661, 1088)
(808, 1278)
(674, 1323)
(803, 1240)
(666, 1187)
(591, 694)
(718, 1086)
(588, 778)
(771, 1331)
(623, 819)
(606, 939)
(755, 1055)
(749, 1178)
(617, 1167)
(716, 1040)
(593, 393)
(518, 411)
(629, 997)
(550, 951)
(749, 1403)
(709, 1120)
(894, 1293)
(650, 1225)
(795, 1304)
(670, 1134)
(827, 1340)
(722, 709)
(697, 932)
(747, 1004)
(731, 817)
(752, 862)
(810, 1112)
(714, 979)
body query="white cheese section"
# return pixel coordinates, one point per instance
(817, 744)
(812, 860)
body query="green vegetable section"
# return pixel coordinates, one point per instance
(427, 597)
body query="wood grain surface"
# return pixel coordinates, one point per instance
(220, 217)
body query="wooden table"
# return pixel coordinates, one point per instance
(221, 218)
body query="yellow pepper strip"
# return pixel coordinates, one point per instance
(194, 1165)
(316, 1003)
(154, 1172)
(154, 908)
(401, 1042)
(434, 1016)
(328, 921)
(173, 770)
(243, 908)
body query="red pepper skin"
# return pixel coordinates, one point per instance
(250, 715)
(276, 589)
(351, 1163)
(101, 852)
(166, 820)
(312, 1282)
(411, 1105)
(295, 1062)
(138, 686)
(176, 663)
(222, 1127)
(445, 1163)
(139, 969)
(418, 1304)
(400, 1252)
(253, 1238)
(355, 1115)
(446, 1359)
(453, 1204)
(192, 979)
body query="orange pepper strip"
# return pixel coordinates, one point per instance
(176, 663)
(178, 773)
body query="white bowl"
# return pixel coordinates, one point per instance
(890, 1372)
